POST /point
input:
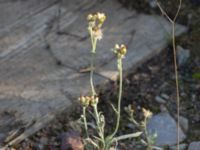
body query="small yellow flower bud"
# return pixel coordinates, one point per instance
(91, 17)
(120, 50)
(84, 101)
(94, 100)
(101, 16)
(147, 113)
(95, 22)
(129, 109)
(123, 50)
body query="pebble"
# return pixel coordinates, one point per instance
(184, 123)
(182, 55)
(152, 3)
(44, 140)
(160, 100)
(181, 147)
(165, 96)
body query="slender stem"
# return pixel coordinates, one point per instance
(91, 74)
(178, 10)
(177, 83)
(163, 12)
(100, 131)
(149, 146)
(120, 96)
(85, 121)
(175, 65)
(127, 136)
(93, 51)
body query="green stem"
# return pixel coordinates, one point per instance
(120, 96)
(127, 136)
(85, 121)
(91, 74)
(93, 51)
(100, 131)
(149, 146)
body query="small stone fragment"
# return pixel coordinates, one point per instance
(165, 96)
(71, 140)
(184, 123)
(152, 3)
(160, 100)
(182, 55)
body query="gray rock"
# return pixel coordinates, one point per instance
(163, 108)
(181, 147)
(44, 140)
(184, 123)
(165, 96)
(160, 100)
(152, 3)
(165, 127)
(182, 55)
(194, 145)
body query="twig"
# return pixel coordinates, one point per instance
(172, 21)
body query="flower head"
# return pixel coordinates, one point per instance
(88, 100)
(120, 50)
(147, 113)
(94, 100)
(129, 109)
(101, 17)
(84, 100)
(95, 22)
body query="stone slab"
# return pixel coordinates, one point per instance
(144, 36)
(32, 87)
(13, 12)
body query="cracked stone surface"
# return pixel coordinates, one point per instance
(40, 69)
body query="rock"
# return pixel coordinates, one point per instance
(152, 3)
(181, 147)
(182, 55)
(184, 123)
(165, 96)
(165, 127)
(194, 145)
(71, 140)
(160, 100)
(40, 147)
(163, 108)
(44, 140)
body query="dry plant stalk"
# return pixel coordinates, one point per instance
(172, 21)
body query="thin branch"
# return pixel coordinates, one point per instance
(163, 12)
(179, 8)
(172, 21)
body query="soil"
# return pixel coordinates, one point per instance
(141, 86)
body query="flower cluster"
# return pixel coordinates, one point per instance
(95, 23)
(120, 50)
(88, 100)
(147, 113)
(129, 109)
